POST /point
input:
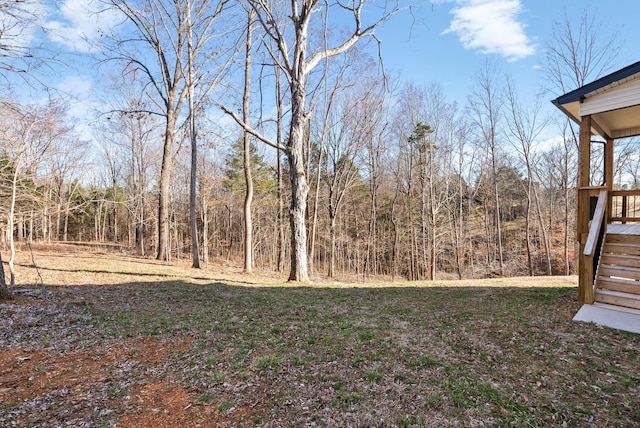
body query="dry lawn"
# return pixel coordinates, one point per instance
(120, 341)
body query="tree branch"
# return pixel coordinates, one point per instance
(250, 130)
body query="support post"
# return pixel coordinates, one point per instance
(585, 268)
(608, 175)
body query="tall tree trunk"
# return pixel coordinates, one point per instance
(246, 143)
(46, 218)
(459, 227)
(433, 214)
(193, 181)
(412, 233)
(299, 192)
(543, 231)
(205, 230)
(332, 238)
(528, 229)
(281, 249)
(105, 217)
(58, 217)
(370, 262)
(316, 198)
(5, 294)
(115, 213)
(396, 237)
(297, 171)
(164, 249)
(425, 258)
(31, 227)
(96, 224)
(10, 222)
(496, 201)
(65, 232)
(567, 207)
(141, 226)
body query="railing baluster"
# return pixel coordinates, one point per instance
(625, 205)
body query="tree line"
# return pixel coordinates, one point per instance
(263, 134)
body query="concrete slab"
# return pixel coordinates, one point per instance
(617, 317)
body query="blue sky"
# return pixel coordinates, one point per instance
(447, 41)
(444, 41)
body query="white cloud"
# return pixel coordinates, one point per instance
(491, 26)
(78, 25)
(82, 101)
(76, 86)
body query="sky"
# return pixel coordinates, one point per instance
(443, 41)
(448, 41)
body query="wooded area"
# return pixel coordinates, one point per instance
(379, 178)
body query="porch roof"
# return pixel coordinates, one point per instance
(613, 101)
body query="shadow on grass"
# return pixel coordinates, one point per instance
(416, 304)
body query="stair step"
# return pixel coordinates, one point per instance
(614, 271)
(616, 238)
(618, 298)
(616, 284)
(620, 260)
(624, 229)
(619, 248)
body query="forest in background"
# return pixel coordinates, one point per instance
(194, 152)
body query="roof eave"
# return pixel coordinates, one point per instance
(580, 93)
(565, 111)
(597, 129)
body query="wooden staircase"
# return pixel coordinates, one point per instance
(617, 279)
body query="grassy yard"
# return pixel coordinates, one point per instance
(129, 342)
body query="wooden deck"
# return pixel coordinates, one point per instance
(624, 229)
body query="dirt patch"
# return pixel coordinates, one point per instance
(146, 402)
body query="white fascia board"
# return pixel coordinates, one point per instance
(621, 96)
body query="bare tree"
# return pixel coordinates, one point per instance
(374, 170)
(437, 156)
(349, 129)
(135, 131)
(297, 56)
(523, 127)
(27, 134)
(193, 137)
(281, 216)
(246, 152)
(162, 29)
(426, 125)
(579, 51)
(461, 209)
(333, 112)
(5, 294)
(485, 103)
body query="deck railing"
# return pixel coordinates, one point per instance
(625, 206)
(593, 245)
(596, 208)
